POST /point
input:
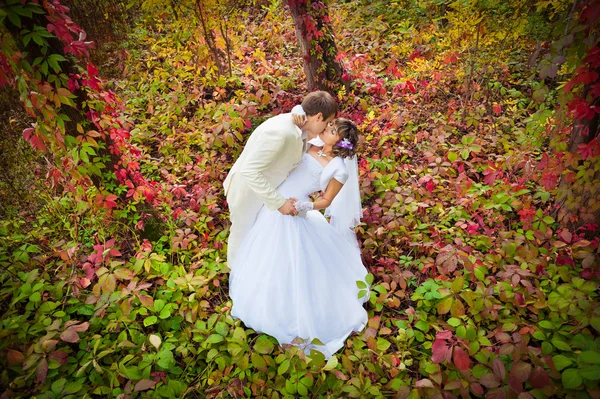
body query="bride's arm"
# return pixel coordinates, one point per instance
(333, 188)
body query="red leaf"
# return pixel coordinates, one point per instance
(143, 385)
(424, 383)
(520, 371)
(146, 300)
(58, 356)
(440, 351)
(81, 327)
(589, 150)
(476, 388)
(92, 70)
(499, 368)
(519, 299)
(69, 335)
(539, 379)
(461, 359)
(515, 384)
(340, 375)
(430, 186)
(490, 380)
(372, 343)
(549, 180)
(110, 201)
(84, 282)
(566, 236)
(496, 109)
(14, 357)
(444, 334)
(41, 371)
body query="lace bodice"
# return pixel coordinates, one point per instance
(310, 176)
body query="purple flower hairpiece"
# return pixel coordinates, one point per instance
(345, 143)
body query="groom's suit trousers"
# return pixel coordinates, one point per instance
(272, 151)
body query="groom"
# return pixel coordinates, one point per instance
(272, 151)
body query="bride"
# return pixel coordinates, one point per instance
(295, 276)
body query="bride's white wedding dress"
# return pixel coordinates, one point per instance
(296, 276)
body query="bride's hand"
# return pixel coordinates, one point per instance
(299, 120)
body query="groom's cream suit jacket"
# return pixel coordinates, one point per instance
(272, 151)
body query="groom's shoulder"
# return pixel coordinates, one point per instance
(279, 123)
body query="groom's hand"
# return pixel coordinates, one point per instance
(288, 208)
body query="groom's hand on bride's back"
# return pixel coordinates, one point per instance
(288, 208)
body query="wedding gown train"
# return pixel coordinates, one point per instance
(296, 277)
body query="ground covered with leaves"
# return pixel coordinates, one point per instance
(477, 290)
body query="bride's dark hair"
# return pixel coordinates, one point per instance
(348, 132)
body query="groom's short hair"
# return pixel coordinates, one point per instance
(320, 101)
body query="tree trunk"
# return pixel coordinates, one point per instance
(312, 25)
(578, 202)
(209, 36)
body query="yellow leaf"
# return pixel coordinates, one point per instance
(155, 340)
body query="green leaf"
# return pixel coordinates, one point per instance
(53, 61)
(370, 278)
(590, 372)
(263, 345)
(283, 367)
(595, 322)
(454, 322)
(148, 321)
(361, 284)
(166, 360)
(159, 304)
(479, 273)
(422, 325)
(445, 305)
(133, 373)
(302, 390)
(561, 361)
(547, 348)
(563, 346)
(73, 387)
(471, 333)
(84, 157)
(215, 338)
(21, 10)
(571, 379)
(546, 324)
(468, 140)
(464, 153)
(259, 362)
(457, 284)
(290, 387)
(383, 345)
(331, 363)
(452, 156)
(589, 357)
(165, 313)
(58, 385)
(14, 19)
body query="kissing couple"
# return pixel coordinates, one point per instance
(293, 273)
